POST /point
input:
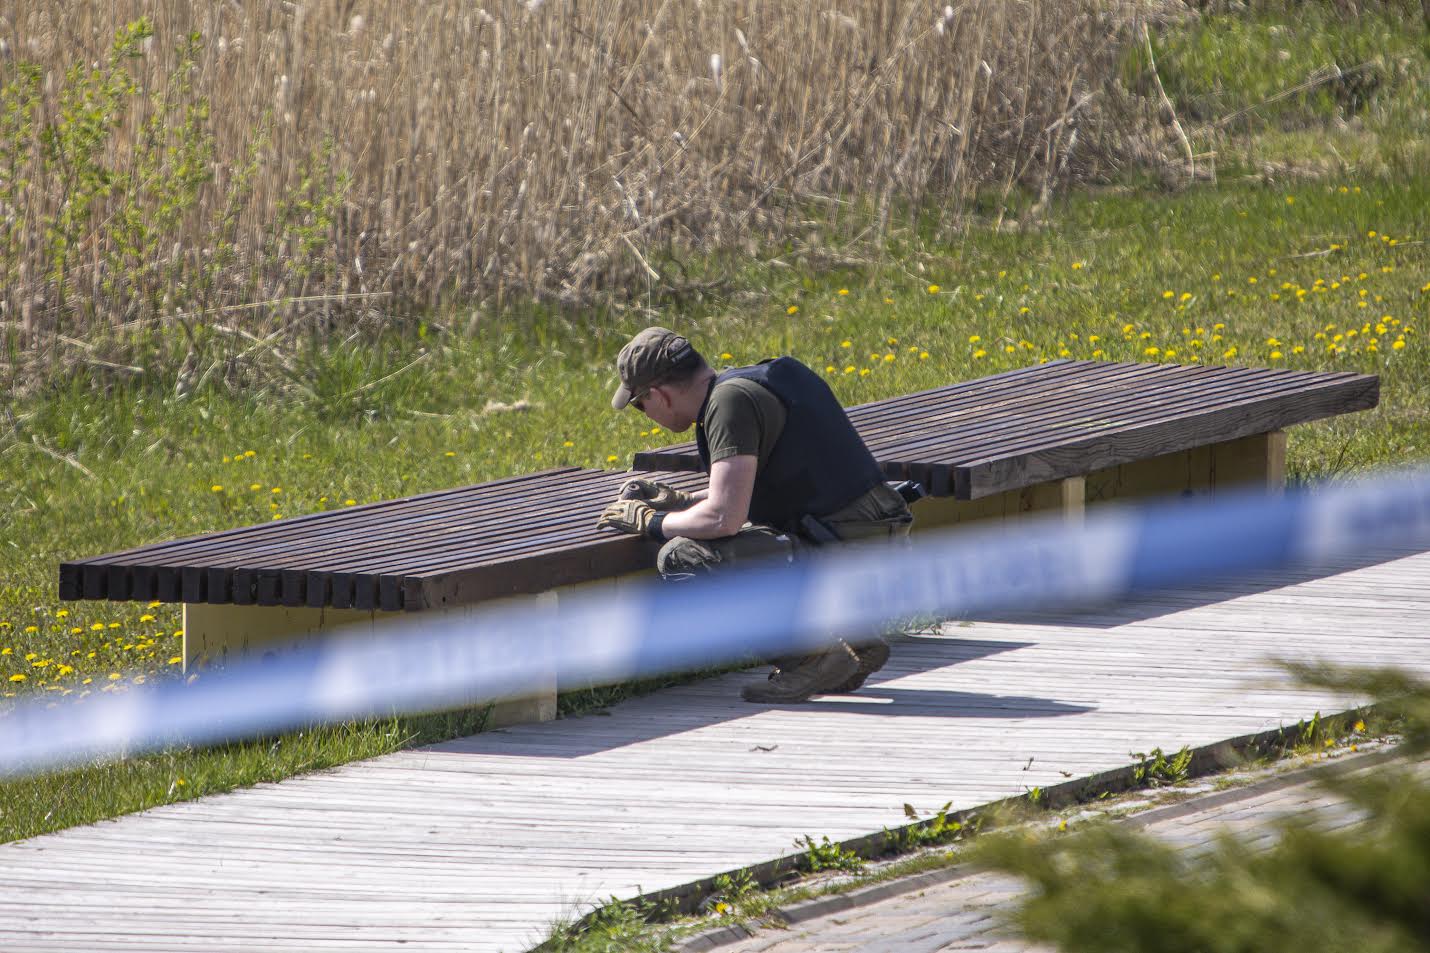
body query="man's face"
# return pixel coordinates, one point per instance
(659, 404)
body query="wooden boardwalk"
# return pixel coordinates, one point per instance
(480, 844)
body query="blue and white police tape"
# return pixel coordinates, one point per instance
(516, 648)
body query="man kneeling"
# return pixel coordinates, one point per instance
(786, 468)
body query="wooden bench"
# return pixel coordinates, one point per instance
(1057, 436)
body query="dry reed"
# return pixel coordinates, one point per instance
(560, 149)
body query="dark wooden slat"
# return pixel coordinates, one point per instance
(239, 545)
(267, 590)
(117, 585)
(71, 582)
(1163, 407)
(1229, 423)
(166, 584)
(193, 583)
(319, 589)
(1033, 435)
(1044, 428)
(390, 593)
(144, 582)
(96, 581)
(219, 587)
(294, 591)
(562, 510)
(1003, 416)
(365, 511)
(350, 549)
(364, 591)
(341, 584)
(243, 583)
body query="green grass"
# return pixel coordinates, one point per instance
(1302, 275)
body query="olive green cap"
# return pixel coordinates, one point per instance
(647, 358)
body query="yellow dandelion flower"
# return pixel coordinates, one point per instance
(843, 292)
(933, 289)
(17, 677)
(1290, 200)
(1097, 352)
(792, 309)
(64, 669)
(97, 627)
(1229, 352)
(1009, 349)
(1370, 234)
(1399, 344)
(1169, 294)
(1216, 276)
(1024, 310)
(349, 502)
(217, 488)
(888, 300)
(974, 338)
(1298, 349)
(449, 453)
(175, 660)
(850, 369)
(863, 372)
(830, 369)
(115, 676)
(612, 458)
(568, 443)
(893, 341)
(923, 355)
(1186, 296)
(146, 618)
(846, 343)
(1251, 280)
(1276, 355)
(1152, 351)
(888, 358)
(1064, 352)
(32, 629)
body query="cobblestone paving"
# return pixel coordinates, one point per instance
(967, 914)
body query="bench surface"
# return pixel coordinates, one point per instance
(1068, 418)
(516, 536)
(532, 533)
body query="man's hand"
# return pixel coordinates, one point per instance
(628, 516)
(660, 496)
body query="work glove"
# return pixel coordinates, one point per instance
(661, 497)
(628, 516)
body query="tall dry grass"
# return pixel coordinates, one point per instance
(438, 151)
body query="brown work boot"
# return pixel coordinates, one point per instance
(814, 674)
(872, 657)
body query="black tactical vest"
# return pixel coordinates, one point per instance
(819, 464)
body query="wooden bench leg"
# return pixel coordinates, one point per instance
(1066, 496)
(215, 635)
(539, 706)
(1255, 461)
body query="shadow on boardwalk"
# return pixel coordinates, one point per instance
(717, 701)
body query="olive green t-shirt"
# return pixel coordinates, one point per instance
(742, 418)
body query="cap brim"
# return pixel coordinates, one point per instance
(622, 397)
